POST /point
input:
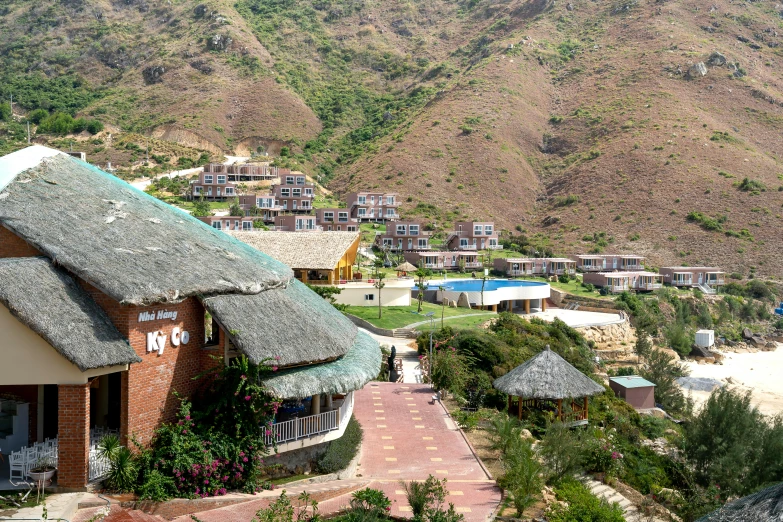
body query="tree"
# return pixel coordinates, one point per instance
(5, 112)
(422, 284)
(379, 284)
(561, 450)
(663, 371)
(201, 207)
(236, 209)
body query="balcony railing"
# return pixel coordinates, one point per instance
(473, 264)
(682, 282)
(304, 427)
(619, 288)
(648, 286)
(633, 267)
(519, 272)
(716, 282)
(590, 268)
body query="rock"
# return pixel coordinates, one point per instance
(200, 10)
(757, 341)
(699, 351)
(716, 59)
(153, 74)
(201, 66)
(526, 435)
(569, 6)
(219, 42)
(697, 70)
(770, 347)
(747, 334)
(736, 70)
(669, 431)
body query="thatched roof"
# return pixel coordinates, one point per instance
(406, 267)
(55, 307)
(763, 506)
(131, 246)
(293, 323)
(547, 376)
(302, 250)
(351, 372)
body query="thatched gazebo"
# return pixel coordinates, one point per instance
(545, 381)
(405, 268)
(762, 506)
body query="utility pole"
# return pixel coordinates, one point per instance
(28, 132)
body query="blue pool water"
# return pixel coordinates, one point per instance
(474, 285)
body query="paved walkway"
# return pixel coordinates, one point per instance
(58, 505)
(406, 350)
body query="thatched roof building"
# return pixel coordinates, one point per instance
(304, 250)
(763, 506)
(406, 267)
(547, 376)
(51, 303)
(133, 247)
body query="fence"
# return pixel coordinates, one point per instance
(305, 427)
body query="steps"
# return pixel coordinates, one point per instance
(404, 333)
(602, 491)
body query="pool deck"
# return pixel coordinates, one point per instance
(577, 318)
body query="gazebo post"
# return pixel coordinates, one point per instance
(560, 409)
(519, 408)
(585, 407)
(509, 403)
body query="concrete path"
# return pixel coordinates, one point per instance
(58, 505)
(630, 512)
(406, 350)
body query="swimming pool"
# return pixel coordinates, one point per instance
(495, 291)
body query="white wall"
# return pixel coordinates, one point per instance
(390, 295)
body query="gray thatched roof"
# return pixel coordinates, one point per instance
(128, 244)
(763, 506)
(302, 250)
(547, 376)
(293, 323)
(55, 307)
(351, 372)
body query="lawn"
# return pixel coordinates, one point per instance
(401, 316)
(471, 322)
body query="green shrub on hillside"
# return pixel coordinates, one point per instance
(582, 505)
(340, 451)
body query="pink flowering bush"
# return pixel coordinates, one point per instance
(602, 455)
(218, 442)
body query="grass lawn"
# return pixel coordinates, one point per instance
(400, 316)
(472, 322)
(575, 288)
(325, 202)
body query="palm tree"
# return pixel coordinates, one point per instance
(379, 284)
(422, 285)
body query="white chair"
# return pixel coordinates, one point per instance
(30, 458)
(16, 464)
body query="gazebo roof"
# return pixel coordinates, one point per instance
(762, 506)
(547, 376)
(406, 267)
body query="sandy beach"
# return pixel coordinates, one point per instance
(760, 372)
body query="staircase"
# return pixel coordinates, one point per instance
(706, 289)
(404, 333)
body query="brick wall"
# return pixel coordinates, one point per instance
(12, 245)
(74, 435)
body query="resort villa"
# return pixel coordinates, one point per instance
(244, 173)
(444, 260)
(336, 219)
(373, 206)
(540, 266)
(229, 222)
(260, 206)
(706, 278)
(213, 187)
(473, 235)
(295, 223)
(618, 282)
(294, 194)
(403, 236)
(109, 308)
(608, 262)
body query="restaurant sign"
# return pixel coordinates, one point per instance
(156, 341)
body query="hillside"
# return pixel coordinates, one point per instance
(576, 122)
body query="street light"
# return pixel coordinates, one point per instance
(432, 328)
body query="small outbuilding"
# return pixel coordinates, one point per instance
(544, 382)
(636, 391)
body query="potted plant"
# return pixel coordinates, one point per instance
(43, 471)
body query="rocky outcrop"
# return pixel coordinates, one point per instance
(618, 338)
(153, 74)
(716, 59)
(695, 71)
(219, 42)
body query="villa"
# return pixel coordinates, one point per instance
(473, 235)
(229, 222)
(373, 206)
(403, 236)
(261, 206)
(336, 219)
(296, 223)
(212, 187)
(243, 173)
(540, 266)
(108, 309)
(618, 282)
(444, 260)
(294, 194)
(608, 262)
(705, 278)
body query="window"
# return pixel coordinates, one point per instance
(265, 202)
(463, 242)
(229, 191)
(286, 193)
(401, 230)
(300, 180)
(369, 297)
(285, 204)
(289, 180)
(362, 212)
(221, 180)
(308, 191)
(208, 179)
(362, 200)
(389, 212)
(209, 191)
(390, 200)
(387, 242)
(297, 192)
(217, 225)
(197, 190)
(342, 217)
(328, 216)
(247, 225)
(477, 230)
(293, 204)
(422, 243)
(372, 200)
(299, 224)
(413, 230)
(351, 228)
(488, 230)
(493, 242)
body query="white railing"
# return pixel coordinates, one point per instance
(311, 425)
(99, 467)
(519, 272)
(649, 286)
(706, 289)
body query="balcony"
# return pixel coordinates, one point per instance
(312, 427)
(716, 282)
(494, 247)
(648, 286)
(633, 267)
(474, 264)
(433, 265)
(616, 289)
(591, 268)
(682, 282)
(515, 273)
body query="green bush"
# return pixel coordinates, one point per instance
(37, 116)
(522, 475)
(424, 495)
(5, 112)
(582, 505)
(340, 451)
(561, 451)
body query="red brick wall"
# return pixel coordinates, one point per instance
(74, 435)
(12, 245)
